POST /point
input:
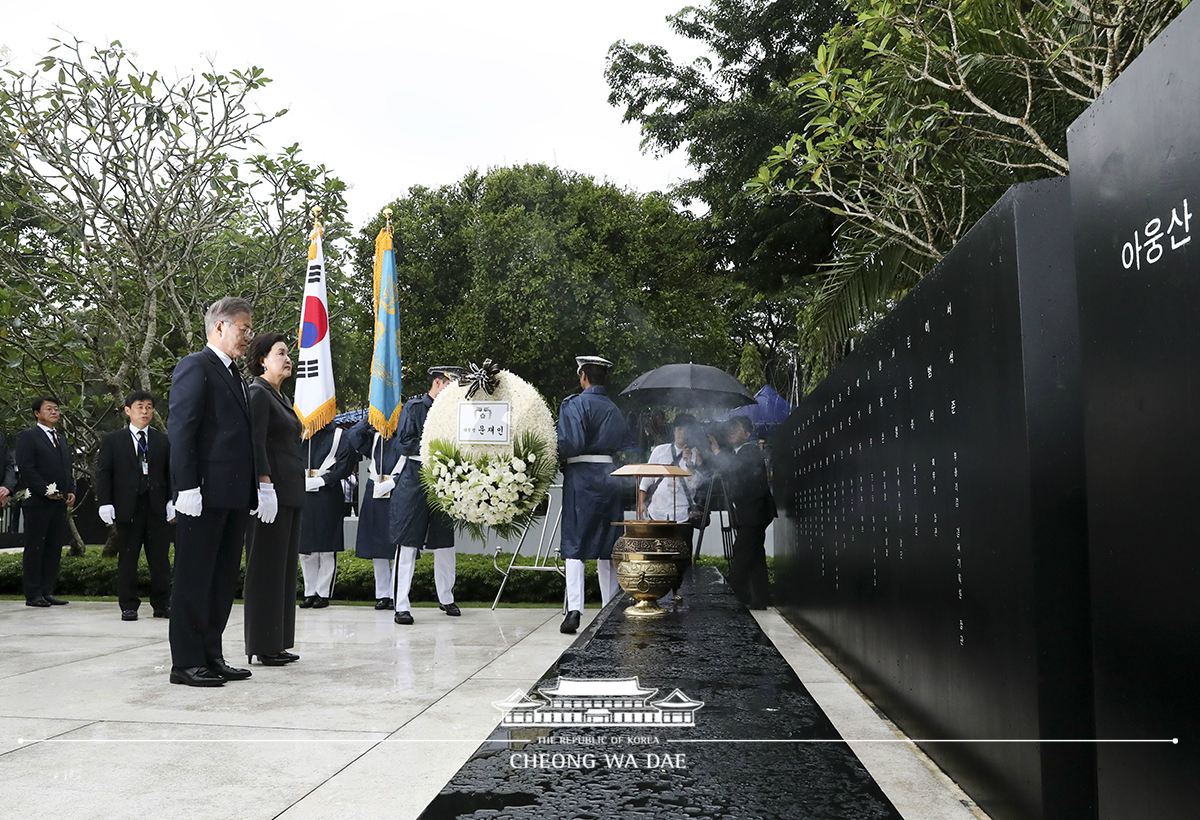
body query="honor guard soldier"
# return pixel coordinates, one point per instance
(590, 430)
(329, 459)
(415, 525)
(374, 539)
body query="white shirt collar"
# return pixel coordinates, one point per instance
(225, 360)
(49, 430)
(134, 430)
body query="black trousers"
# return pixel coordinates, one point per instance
(748, 568)
(46, 531)
(148, 529)
(208, 555)
(272, 552)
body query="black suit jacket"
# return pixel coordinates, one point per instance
(42, 464)
(8, 465)
(745, 477)
(277, 432)
(119, 473)
(209, 427)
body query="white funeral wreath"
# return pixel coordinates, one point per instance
(496, 486)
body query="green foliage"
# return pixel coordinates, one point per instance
(750, 372)
(913, 120)
(722, 111)
(128, 203)
(476, 578)
(530, 266)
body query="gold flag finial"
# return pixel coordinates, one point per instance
(316, 212)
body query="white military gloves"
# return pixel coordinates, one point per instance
(108, 513)
(268, 503)
(384, 487)
(190, 502)
(313, 483)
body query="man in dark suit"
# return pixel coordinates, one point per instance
(751, 508)
(44, 460)
(133, 488)
(213, 474)
(8, 472)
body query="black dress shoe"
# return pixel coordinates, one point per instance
(404, 617)
(385, 603)
(225, 671)
(271, 660)
(571, 622)
(320, 603)
(50, 599)
(162, 613)
(450, 609)
(128, 614)
(308, 602)
(37, 602)
(196, 676)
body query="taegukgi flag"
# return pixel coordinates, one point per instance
(315, 402)
(384, 413)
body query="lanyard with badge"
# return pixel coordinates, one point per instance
(144, 451)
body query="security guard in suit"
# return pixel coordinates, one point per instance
(44, 460)
(133, 486)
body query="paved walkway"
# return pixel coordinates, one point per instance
(370, 723)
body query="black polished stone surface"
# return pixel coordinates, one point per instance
(1135, 188)
(933, 533)
(710, 648)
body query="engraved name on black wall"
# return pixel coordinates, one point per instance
(913, 485)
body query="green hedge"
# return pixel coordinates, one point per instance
(477, 580)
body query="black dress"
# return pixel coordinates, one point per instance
(272, 550)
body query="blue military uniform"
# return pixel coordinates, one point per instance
(413, 523)
(322, 534)
(590, 425)
(374, 538)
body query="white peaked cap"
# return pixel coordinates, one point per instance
(596, 360)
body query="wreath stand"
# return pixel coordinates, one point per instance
(541, 561)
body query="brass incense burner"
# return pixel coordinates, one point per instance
(651, 557)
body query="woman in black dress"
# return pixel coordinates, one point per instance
(272, 549)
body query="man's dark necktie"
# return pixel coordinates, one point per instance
(144, 481)
(237, 377)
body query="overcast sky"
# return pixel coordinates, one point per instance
(389, 95)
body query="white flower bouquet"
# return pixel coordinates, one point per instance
(491, 486)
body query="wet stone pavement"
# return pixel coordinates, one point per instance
(760, 746)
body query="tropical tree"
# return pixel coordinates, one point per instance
(530, 266)
(919, 115)
(127, 204)
(722, 110)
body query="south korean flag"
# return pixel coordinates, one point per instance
(315, 402)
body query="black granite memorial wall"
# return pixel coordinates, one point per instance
(1135, 169)
(932, 537)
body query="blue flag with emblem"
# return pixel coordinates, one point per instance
(384, 413)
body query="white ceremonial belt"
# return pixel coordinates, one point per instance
(590, 460)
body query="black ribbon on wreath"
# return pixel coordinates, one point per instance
(474, 377)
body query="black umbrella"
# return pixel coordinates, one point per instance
(688, 385)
